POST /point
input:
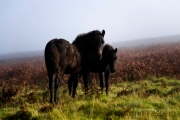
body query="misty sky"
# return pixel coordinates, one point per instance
(27, 25)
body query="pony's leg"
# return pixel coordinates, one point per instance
(56, 85)
(101, 81)
(70, 81)
(85, 78)
(75, 84)
(107, 80)
(51, 86)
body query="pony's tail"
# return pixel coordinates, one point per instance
(52, 58)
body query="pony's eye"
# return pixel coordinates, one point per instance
(102, 41)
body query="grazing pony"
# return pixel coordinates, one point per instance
(61, 57)
(105, 66)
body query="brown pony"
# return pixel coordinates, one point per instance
(61, 57)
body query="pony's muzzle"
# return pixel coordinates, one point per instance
(100, 54)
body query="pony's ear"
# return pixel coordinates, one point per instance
(115, 51)
(103, 33)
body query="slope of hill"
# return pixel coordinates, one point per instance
(147, 41)
(21, 54)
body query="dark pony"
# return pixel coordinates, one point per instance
(61, 57)
(105, 66)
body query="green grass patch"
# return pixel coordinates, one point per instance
(154, 98)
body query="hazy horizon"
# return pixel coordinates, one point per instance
(137, 43)
(29, 25)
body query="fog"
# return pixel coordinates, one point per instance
(29, 25)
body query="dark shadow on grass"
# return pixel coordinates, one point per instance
(45, 109)
(20, 115)
(173, 91)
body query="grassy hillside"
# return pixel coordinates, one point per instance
(144, 86)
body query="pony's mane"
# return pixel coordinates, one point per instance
(84, 36)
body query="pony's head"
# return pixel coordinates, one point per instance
(91, 43)
(112, 59)
(96, 43)
(109, 58)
